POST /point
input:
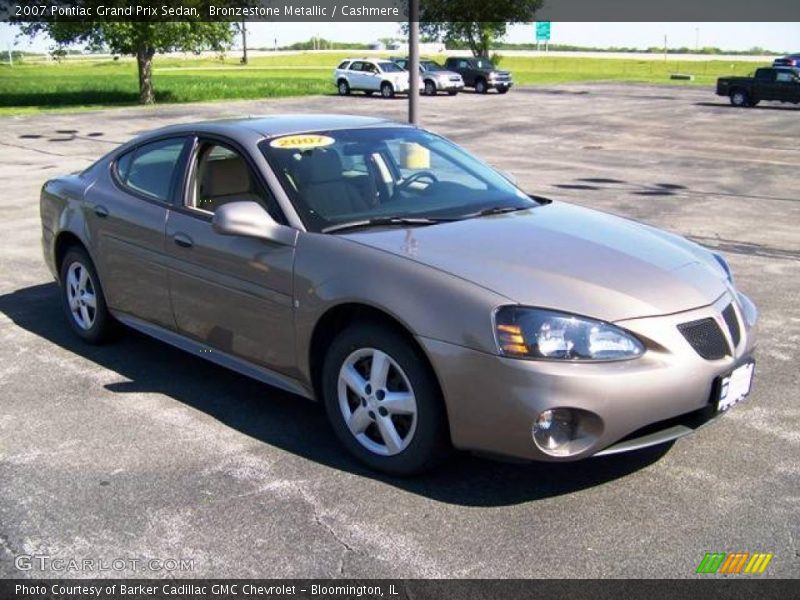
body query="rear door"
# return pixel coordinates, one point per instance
(128, 212)
(232, 293)
(356, 76)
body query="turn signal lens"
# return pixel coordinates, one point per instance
(511, 340)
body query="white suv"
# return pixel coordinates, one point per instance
(371, 75)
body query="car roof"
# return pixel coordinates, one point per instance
(369, 58)
(277, 125)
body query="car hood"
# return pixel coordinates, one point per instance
(564, 257)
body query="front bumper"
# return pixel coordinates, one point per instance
(449, 86)
(500, 83)
(493, 401)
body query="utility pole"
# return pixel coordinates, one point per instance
(413, 62)
(665, 47)
(697, 39)
(244, 42)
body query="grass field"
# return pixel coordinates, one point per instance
(87, 83)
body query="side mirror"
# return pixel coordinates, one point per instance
(249, 219)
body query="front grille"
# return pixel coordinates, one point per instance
(729, 314)
(705, 337)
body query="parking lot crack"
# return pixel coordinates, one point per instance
(321, 520)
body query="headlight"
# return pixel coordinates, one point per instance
(544, 334)
(725, 267)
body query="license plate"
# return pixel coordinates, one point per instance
(735, 387)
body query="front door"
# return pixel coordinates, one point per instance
(232, 293)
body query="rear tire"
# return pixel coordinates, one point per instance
(343, 87)
(383, 400)
(387, 90)
(740, 99)
(481, 87)
(453, 93)
(82, 298)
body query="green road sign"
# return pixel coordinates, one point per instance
(542, 31)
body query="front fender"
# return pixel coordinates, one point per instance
(331, 270)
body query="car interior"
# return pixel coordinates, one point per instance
(221, 176)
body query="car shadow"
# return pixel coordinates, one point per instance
(298, 426)
(761, 106)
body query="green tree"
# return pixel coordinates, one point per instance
(476, 23)
(142, 39)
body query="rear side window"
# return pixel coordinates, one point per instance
(356, 66)
(150, 169)
(343, 65)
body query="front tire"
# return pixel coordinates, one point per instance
(387, 90)
(502, 90)
(430, 88)
(383, 401)
(82, 298)
(453, 92)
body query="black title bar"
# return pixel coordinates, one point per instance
(392, 10)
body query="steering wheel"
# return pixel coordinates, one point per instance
(415, 177)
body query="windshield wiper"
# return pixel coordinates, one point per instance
(381, 221)
(494, 210)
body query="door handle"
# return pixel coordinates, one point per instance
(101, 211)
(183, 240)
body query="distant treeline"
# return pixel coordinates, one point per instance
(322, 44)
(756, 51)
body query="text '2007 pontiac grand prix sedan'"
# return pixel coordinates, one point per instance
(415, 291)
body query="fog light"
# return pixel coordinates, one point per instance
(554, 429)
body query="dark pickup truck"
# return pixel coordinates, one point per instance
(480, 73)
(777, 83)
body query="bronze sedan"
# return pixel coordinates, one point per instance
(418, 293)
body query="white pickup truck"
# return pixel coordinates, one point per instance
(371, 75)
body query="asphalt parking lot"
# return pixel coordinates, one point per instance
(138, 451)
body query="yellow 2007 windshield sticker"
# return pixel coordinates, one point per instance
(302, 141)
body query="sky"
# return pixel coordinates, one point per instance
(780, 37)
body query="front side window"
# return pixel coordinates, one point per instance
(150, 169)
(785, 76)
(336, 177)
(429, 65)
(221, 175)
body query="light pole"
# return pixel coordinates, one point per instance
(244, 42)
(413, 62)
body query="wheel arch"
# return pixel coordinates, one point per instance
(64, 241)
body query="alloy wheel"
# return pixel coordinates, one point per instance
(81, 296)
(377, 401)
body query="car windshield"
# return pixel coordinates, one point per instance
(345, 176)
(482, 63)
(429, 65)
(390, 67)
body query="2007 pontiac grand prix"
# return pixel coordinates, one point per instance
(419, 294)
